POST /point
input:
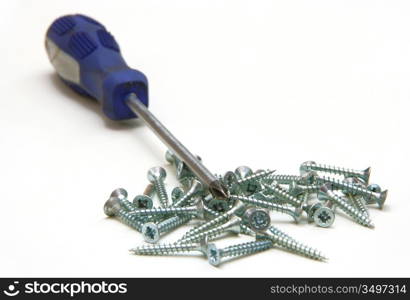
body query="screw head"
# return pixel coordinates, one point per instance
(309, 177)
(111, 206)
(177, 193)
(303, 167)
(213, 254)
(156, 173)
(243, 171)
(324, 216)
(119, 193)
(218, 205)
(258, 219)
(169, 157)
(196, 186)
(375, 188)
(143, 202)
(150, 232)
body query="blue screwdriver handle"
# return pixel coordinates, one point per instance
(88, 59)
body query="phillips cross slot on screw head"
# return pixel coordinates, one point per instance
(88, 59)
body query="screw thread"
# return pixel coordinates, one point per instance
(349, 187)
(211, 233)
(277, 232)
(349, 209)
(266, 204)
(255, 177)
(165, 249)
(165, 211)
(285, 179)
(171, 223)
(126, 204)
(284, 195)
(211, 223)
(336, 170)
(359, 204)
(246, 248)
(161, 192)
(129, 219)
(292, 245)
(185, 198)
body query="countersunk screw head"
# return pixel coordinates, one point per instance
(323, 216)
(150, 232)
(142, 201)
(213, 254)
(258, 219)
(303, 167)
(309, 177)
(119, 193)
(169, 156)
(243, 171)
(111, 206)
(177, 193)
(375, 188)
(156, 173)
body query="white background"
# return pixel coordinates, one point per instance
(268, 84)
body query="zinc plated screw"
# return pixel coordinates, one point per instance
(356, 200)
(326, 193)
(233, 225)
(321, 214)
(215, 255)
(197, 210)
(243, 172)
(313, 166)
(295, 189)
(296, 214)
(171, 249)
(292, 245)
(112, 207)
(378, 197)
(257, 219)
(177, 193)
(142, 202)
(250, 180)
(236, 209)
(284, 195)
(156, 176)
(152, 231)
(195, 189)
(122, 194)
(304, 179)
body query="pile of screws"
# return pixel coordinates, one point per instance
(316, 193)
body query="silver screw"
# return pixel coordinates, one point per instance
(243, 172)
(356, 200)
(142, 202)
(321, 214)
(112, 207)
(233, 225)
(171, 249)
(251, 184)
(122, 194)
(292, 245)
(195, 189)
(215, 255)
(152, 231)
(295, 189)
(379, 198)
(284, 195)
(326, 193)
(238, 208)
(196, 210)
(257, 219)
(295, 214)
(156, 176)
(364, 175)
(375, 188)
(177, 193)
(304, 179)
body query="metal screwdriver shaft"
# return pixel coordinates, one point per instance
(215, 187)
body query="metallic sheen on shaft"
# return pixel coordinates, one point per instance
(176, 146)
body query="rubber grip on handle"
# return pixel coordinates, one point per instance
(88, 59)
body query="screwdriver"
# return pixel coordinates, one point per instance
(88, 59)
